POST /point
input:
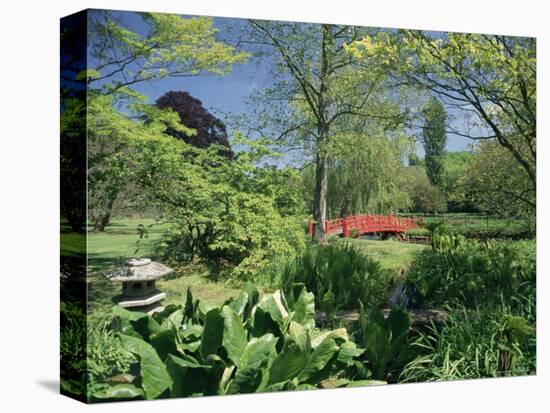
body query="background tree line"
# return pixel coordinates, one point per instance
(350, 104)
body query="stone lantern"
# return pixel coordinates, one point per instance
(138, 278)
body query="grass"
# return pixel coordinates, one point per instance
(118, 244)
(393, 255)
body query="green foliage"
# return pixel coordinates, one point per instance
(385, 340)
(496, 184)
(366, 172)
(247, 345)
(499, 73)
(106, 356)
(231, 212)
(425, 196)
(456, 187)
(474, 344)
(355, 233)
(435, 229)
(172, 45)
(234, 212)
(338, 275)
(434, 138)
(418, 232)
(471, 273)
(73, 349)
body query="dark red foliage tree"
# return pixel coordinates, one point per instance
(210, 130)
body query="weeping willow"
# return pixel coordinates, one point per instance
(366, 174)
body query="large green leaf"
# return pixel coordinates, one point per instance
(164, 343)
(275, 307)
(398, 322)
(234, 335)
(173, 321)
(253, 295)
(217, 368)
(123, 319)
(250, 374)
(177, 367)
(257, 351)
(304, 310)
(190, 337)
(189, 307)
(212, 333)
(155, 379)
(145, 326)
(203, 309)
(319, 359)
(349, 352)
(264, 324)
(377, 343)
(323, 355)
(293, 357)
(238, 304)
(341, 334)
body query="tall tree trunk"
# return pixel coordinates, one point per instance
(320, 199)
(105, 218)
(323, 134)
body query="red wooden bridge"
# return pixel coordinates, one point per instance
(385, 225)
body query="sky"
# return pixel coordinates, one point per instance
(228, 94)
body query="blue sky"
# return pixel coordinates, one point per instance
(229, 93)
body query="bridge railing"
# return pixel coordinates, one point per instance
(366, 224)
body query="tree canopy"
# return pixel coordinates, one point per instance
(122, 56)
(207, 130)
(434, 139)
(490, 79)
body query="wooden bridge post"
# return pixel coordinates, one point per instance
(345, 227)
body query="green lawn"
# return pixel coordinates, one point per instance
(393, 255)
(118, 244)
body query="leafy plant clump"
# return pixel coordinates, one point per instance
(73, 349)
(471, 273)
(418, 232)
(249, 344)
(107, 358)
(227, 212)
(387, 347)
(473, 344)
(338, 275)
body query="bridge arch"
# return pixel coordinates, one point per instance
(367, 224)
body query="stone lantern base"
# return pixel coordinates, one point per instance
(149, 303)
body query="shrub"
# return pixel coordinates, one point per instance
(245, 238)
(247, 345)
(467, 273)
(418, 232)
(354, 233)
(232, 213)
(106, 357)
(473, 344)
(338, 275)
(387, 347)
(73, 349)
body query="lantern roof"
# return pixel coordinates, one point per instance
(139, 269)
